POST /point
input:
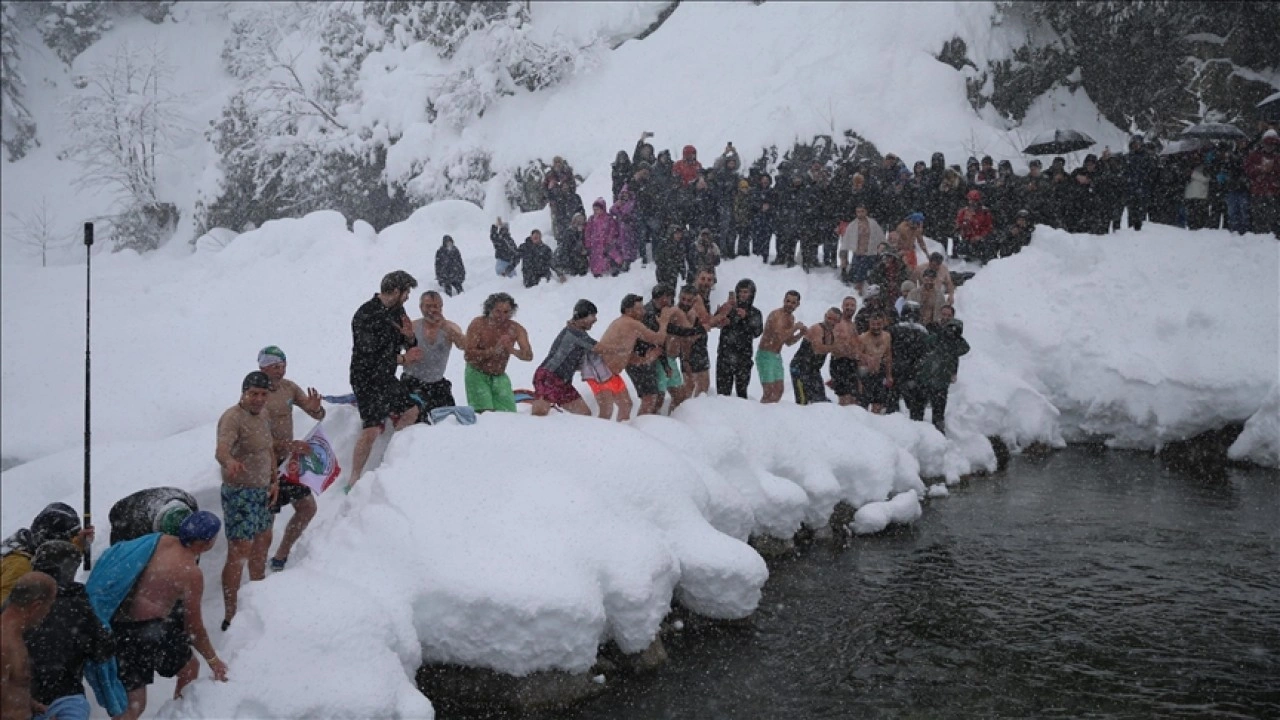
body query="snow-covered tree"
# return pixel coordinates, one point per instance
(71, 26)
(36, 230)
(18, 127)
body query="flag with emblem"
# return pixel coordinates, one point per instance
(318, 468)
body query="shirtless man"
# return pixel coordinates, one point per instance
(651, 378)
(910, 236)
(150, 636)
(618, 344)
(806, 364)
(875, 365)
(681, 336)
(943, 276)
(28, 604)
(492, 339)
(861, 237)
(283, 396)
(844, 363)
(780, 328)
(698, 369)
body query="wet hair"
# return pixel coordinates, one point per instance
(429, 294)
(790, 293)
(689, 290)
(583, 309)
(499, 297)
(398, 281)
(58, 559)
(662, 290)
(937, 256)
(630, 300)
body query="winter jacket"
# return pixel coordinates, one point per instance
(1262, 167)
(537, 259)
(624, 211)
(449, 267)
(942, 352)
(909, 341)
(737, 336)
(974, 225)
(504, 248)
(571, 253)
(375, 341)
(688, 167)
(1140, 173)
(59, 646)
(600, 236)
(621, 173)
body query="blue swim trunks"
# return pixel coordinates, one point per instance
(245, 514)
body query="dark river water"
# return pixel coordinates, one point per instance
(1083, 584)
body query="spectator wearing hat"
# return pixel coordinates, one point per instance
(450, 272)
(57, 521)
(1016, 235)
(1262, 168)
(69, 635)
(246, 453)
(974, 224)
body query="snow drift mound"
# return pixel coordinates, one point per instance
(1260, 441)
(1144, 338)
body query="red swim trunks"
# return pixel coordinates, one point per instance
(614, 385)
(547, 386)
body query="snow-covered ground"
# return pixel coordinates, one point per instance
(521, 543)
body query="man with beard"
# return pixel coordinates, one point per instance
(492, 339)
(379, 329)
(875, 365)
(698, 368)
(436, 337)
(620, 341)
(780, 328)
(743, 323)
(651, 378)
(844, 363)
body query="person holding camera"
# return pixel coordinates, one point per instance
(937, 370)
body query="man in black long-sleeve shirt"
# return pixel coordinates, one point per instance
(379, 330)
(744, 324)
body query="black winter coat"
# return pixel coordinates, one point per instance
(449, 267)
(537, 259)
(59, 646)
(504, 248)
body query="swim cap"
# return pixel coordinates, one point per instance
(199, 527)
(270, 355)
(255, 379)
(169, 519)
(916, 217)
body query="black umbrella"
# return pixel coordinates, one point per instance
(1059, 142)
(1214, 131)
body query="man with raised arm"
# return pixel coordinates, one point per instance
(492, 339)
(436, 337)
(282, 397)
(806, 364)
(780, 328)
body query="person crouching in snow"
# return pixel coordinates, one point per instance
(450, 272)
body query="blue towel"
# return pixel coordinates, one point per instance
(464, 414)
(109, 584)
(348, 399)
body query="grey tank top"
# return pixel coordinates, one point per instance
(435, 356)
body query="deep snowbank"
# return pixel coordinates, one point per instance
(1143, 338)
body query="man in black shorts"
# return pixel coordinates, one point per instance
(379, 330)
(698, 366)
(844, 365)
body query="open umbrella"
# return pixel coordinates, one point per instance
(1214, 131)
(1058, 142)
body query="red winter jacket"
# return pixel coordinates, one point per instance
(687, 167)
(1263, 170)
(974, 225)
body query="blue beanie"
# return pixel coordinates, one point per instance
(916, 217)
(199, 527)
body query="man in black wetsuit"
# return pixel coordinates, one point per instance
(743, 323)
(379, 329)
(806, 364)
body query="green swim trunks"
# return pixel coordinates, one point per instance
(488, 392)
(769, 365)
(669, 375)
